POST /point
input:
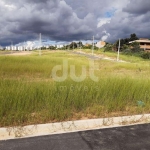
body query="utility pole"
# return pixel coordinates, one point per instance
(118, 51)
(11, 46)
(73, 45)
(80, 46)
(40, 45)
(144, 47)
(24, 46)
(93, 46)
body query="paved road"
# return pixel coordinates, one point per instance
(124, 138)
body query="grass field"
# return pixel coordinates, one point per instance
(113, 55)
(29, 94)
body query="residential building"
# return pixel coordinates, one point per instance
(144, 43)
(20, 48)
(8, 47)
(59, 46)
(14, 48)
(87, 44)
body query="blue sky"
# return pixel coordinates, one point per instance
(110, 13)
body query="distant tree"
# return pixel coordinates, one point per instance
(63, 48)
(125, 47)
(52, 47)
(135, 47)
(80, 44)
(108, 47)
(43, 48)
(133, 37)
(67, 47)
(124, 43)
(73, 45)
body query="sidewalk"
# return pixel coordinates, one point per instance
(71, 126)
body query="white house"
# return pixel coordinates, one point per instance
(20, 48)
(59, 46)
(8, 48)
(14, 48)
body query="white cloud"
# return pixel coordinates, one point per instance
(103, 21)
(71, 20)
(106, 36)
(4, 4)
(10, 6)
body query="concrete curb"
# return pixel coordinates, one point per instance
(71, 126)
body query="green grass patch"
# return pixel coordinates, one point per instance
(29, 95)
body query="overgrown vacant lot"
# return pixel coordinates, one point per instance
(29, 94)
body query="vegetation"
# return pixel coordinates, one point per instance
(124, 44)
(126, 41)
(132, 49)
(29, 94)
(108, 47)
(71, 46)
(145, 55)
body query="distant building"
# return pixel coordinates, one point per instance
(1, 48)
(87, 44)
(144, 43)
(14, 48)
(28, 48)
(20, 48)
(8, 48)
(59, 46)
(100, 44)
(47, 46)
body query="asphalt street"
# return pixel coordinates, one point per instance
(121, 138)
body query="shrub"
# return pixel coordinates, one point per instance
(145, 55)
(108, 47)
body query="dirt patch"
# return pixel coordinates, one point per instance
(19, 53)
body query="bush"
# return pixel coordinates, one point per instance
(108, 47)
(127, 52)
(145, 55)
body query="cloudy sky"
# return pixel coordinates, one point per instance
(72, 20)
